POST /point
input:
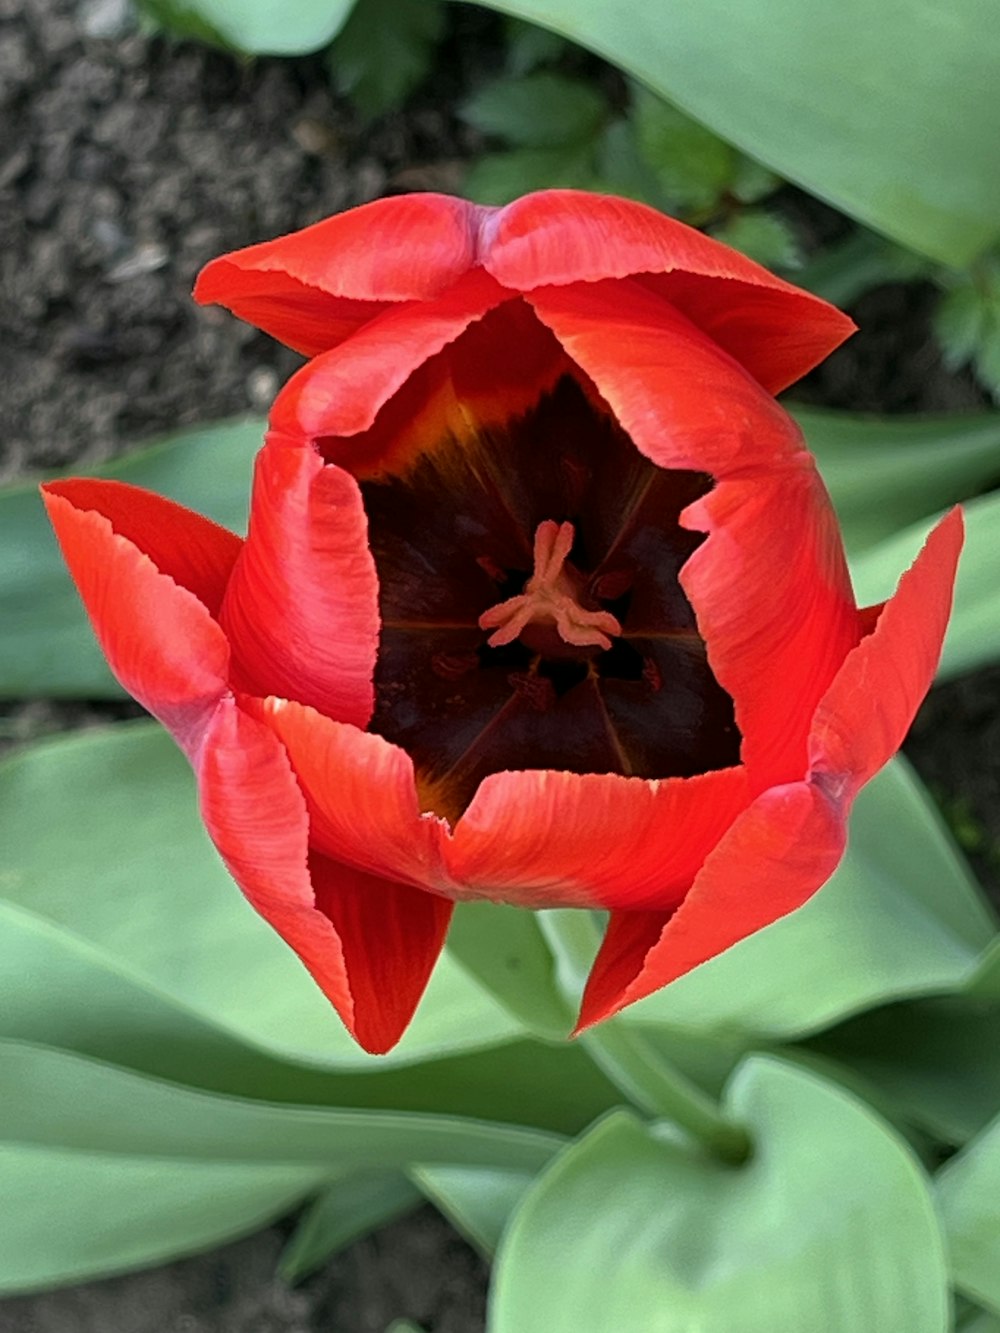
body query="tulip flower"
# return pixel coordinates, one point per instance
(542, 601)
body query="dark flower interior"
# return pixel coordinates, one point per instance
(452, 536)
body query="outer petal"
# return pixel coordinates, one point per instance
(771, 861)
(301, 609)
(361, 794)
(788, 843)
(370, 944)
(864, 716)
(312, 288)
(157, 634)
(341, 391)
(545, 839)
(556, 237)
(772, 530)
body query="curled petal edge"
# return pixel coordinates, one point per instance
(788, 843)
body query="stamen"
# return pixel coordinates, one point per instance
(551, 597)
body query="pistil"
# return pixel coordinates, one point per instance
(551, 598)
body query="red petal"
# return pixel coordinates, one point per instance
(192, 550)
(772, 860)
(301, 610)
(313, 287)
(370, 945)
(361, 794)
(770, 586)
(774, 604)
(544, 839)
(864, 716)
(160, 641)
(340, 392)
(564, 236)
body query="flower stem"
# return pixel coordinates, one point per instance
(647, 1080)
(630, 1061)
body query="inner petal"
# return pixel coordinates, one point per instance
(527, 557)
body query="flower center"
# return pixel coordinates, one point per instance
(531, 611)
(549, 616)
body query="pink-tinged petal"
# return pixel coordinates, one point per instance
(543, 839)
(370, 944)
(159, 639)
(557, 237)
(773, 859)
(864, 716)
(361, 794)
(313, 287)
(770, 586)
(301, 609)
(341, 391)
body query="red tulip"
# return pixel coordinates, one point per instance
(542, 600)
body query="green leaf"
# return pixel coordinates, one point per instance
(184, 981)
(938, 1060)
(498, 178)
(973, 637)
(751, 181)
(503, 949)
(885, 473)
(907, 143)
(116, 811)
(477, 1202)
(255, 27)
(385, 50)
(344, 1211)
(117, 1111)
(902, 916)
(968, 1193)
(960, 321)
(46, 647)
(762, 236)
(529, 46)
(692, 165)
(183, 20)
(829, 1227)
(542, 110)
(70, 1216)
(842, 272)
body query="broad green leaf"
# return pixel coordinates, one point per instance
(885, 473)
(967, 322)
(46, 647)
(100, 835)
(907, 143)
(55, 1099)
(342, 1212)
(69, 1216)
(504, 950)
(541, 110)
(385, 50)
(256, 27)
(475, 1200)
(828, 1227)
(902, 916)
(938, 1060)
(968, 1193)
(973, 637)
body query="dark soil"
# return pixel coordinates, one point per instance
(125, 164)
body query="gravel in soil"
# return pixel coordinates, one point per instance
(126, 163)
